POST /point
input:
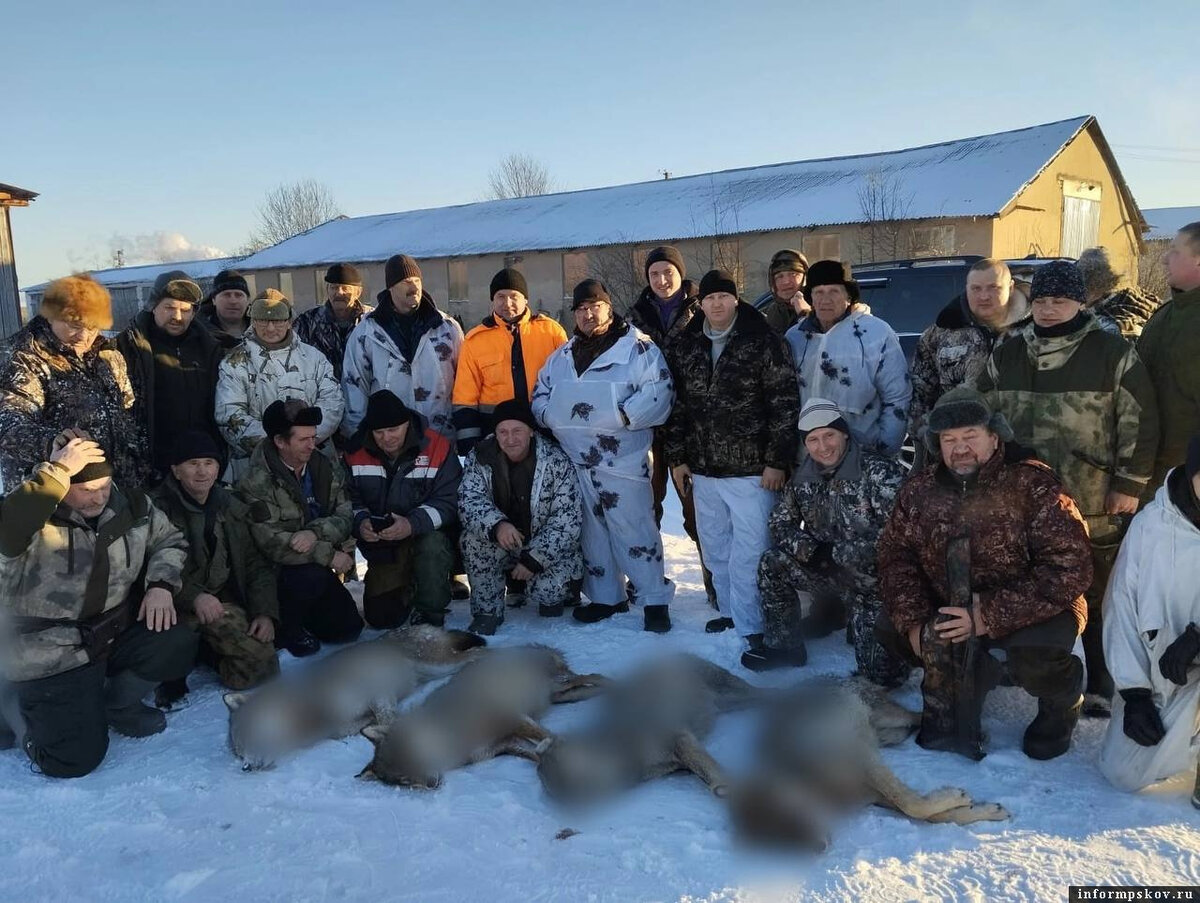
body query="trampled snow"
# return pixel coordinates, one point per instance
(172, 817)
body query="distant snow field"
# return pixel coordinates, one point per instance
(172, 817)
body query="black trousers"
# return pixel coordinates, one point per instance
(312, 598)
(1039, 656)
(65, 718)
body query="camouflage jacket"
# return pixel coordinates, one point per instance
(847, 509)
(859, 365)
(45, 388)
(555, 509)
(251, 377)
(1030, 554)
(644, 315)
(739, 417)
(1125, 312)
(54, 565)
(278, 511)
(234, 570)
(780, 315)
(319, 328)
(952, 353)
(1170, 349)
(1084, 403)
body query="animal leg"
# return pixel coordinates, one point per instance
(967, 815)
(528, 729)
(577, 687)
(509, 746)
(893, 723)
(895, 794)
(695, 758)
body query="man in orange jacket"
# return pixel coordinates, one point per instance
(500, 358)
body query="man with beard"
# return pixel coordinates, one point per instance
(172, 361)
(328, 327)
(501, 357)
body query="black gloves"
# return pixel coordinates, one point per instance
(822, 556)
(1179, 655)
(1142, 722)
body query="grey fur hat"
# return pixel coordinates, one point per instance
(963, 407)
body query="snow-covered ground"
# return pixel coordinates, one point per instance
(172, 817)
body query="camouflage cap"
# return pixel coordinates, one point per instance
(270, 304)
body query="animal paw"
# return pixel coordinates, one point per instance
(991, 812)
(948, 798)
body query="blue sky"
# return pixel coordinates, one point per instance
(134, 119)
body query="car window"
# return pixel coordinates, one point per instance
(910, 300)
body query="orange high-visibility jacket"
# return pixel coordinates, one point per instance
(488, 374)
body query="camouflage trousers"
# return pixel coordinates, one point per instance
(488, 565)
(239, 659)
(780, 580)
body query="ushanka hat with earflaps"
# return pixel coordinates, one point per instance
(78, 300)
(963, 407)
(831, 272)
(270, 304)
(175, 285)
(280, 416)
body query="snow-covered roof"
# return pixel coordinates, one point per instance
(968, 177)
(205, 268)
(1164, 222)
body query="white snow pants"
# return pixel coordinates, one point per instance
(621, 539)
(1129, 766)
(731, 520)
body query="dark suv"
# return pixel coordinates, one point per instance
(909, 294)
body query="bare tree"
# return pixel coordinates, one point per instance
(721, 218)
(884, 205)
(288, 210)
(1152, 274)
(617, 267)
(519, 176)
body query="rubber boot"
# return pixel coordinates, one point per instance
(127, 715)
(1049, 734)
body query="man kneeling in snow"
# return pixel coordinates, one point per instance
(75, 553)
(520, 508)
(1151, 640)
(985, 548)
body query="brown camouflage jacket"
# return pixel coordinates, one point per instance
(56, 566)
(1030, 554)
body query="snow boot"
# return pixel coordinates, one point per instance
(1049, 734)
(718, 625)
(169, 693)
(127, 714)
(485, 625)
(765, 658)
(551, 611)
(597, 611)
(298, 641)
(657, 619)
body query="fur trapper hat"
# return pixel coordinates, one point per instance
(79, 300)
(960, 408)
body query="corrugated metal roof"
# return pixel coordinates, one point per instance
(1164, 222)
(968, 177)
(197, 269)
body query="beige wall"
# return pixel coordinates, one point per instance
(1034, 224)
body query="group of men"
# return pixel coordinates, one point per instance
(199, 487)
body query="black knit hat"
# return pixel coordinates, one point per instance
(717, 281)
(398, 268)
(510, 280)
(513, 409)
(665, 254)
(960, 408)
(97, 470)
(589, 291)
(175, 284)
(194, 444)
(785, 261)
(830, 272)
(281, 416)
(385, 409)
(343, 274)
(230, 280)
(1058, 279)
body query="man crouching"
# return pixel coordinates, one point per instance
(985, 550)
(520, 508)
(75, 552)
(228, 594)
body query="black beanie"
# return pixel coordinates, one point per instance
(385, 409)
(665, 254)
(177, 285)
(588, 291)
(398, 268)
(230, 280)
(97, 470)
(830, 272)
(717, 281)
(280, 416)
(513, 409)
(194, 444)
(344, 274)
(508, 279)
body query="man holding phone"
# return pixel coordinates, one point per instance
(404, 488)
